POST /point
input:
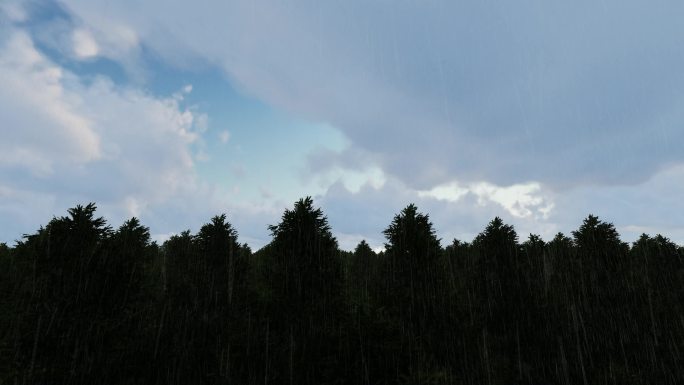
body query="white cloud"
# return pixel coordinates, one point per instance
(73, 142)
(520, 200)
(117, 39)
(224, 136)
(85, 46)
(451, 192)
(42, 124)
(98, 37)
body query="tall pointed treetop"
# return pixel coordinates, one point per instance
(303, 218)
(411, 232)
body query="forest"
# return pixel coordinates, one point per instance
(82, 302)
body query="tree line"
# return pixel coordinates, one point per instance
(82, 303)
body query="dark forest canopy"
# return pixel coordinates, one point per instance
(82, 302)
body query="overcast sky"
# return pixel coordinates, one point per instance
(540, 112)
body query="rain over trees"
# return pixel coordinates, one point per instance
(82, 303)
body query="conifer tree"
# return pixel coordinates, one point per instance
(306, 286)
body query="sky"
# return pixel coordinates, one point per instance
(540, 112)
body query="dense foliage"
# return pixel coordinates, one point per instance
(84, 303)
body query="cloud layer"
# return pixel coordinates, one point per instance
(562, 94)
(538, 112)
(68, 140)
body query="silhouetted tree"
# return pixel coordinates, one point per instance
(81, 303)
(500, 300)
(415, 291)
(411, 251)
(306, 287)
(10, 280)
(206, 285)
(360, 276)
(655, 275)
(65, 313)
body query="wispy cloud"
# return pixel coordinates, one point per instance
(85, 46)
